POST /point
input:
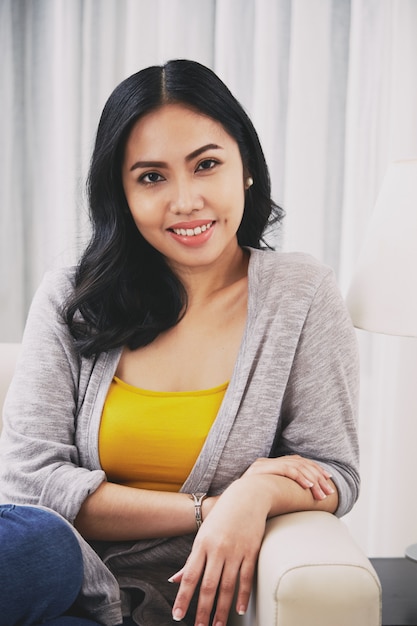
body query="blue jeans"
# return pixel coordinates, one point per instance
(41, 569)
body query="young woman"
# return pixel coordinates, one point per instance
(184, 383)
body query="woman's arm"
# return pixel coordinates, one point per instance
(118, 513)
(320, 403)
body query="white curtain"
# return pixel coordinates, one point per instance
(331, 86)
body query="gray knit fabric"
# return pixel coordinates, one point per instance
(294, 389)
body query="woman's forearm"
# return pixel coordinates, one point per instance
(118, 513)
(287, 496)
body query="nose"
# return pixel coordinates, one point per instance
(185, 199)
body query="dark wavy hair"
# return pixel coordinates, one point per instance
(125, 293)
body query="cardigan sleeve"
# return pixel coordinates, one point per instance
(39, 459)
(319, 410)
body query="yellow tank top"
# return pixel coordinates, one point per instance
(151, 439)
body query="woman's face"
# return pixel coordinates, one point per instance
(184, 183)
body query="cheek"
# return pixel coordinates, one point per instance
(236, 206)
(148, 231)
(144, 213)
(144, 224)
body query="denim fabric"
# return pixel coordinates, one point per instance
(41, 568)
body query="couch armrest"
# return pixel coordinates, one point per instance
(312, 573)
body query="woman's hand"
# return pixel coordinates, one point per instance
(225, 553)
(307, 473)
(226, 548)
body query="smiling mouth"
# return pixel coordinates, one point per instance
(192, 232)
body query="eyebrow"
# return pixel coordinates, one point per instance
(189, 157)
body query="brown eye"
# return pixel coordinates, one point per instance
(150, 178)
(207, 164)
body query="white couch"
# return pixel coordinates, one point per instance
(310, 571)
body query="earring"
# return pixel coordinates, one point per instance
(248, 182)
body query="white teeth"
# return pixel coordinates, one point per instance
(191, 232)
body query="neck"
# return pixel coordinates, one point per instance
(202, 282)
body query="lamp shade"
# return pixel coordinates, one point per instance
(383, 294)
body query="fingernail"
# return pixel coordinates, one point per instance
(177, 615)
(171, 580)
(242, 610)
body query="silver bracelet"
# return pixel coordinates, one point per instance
(198, 498)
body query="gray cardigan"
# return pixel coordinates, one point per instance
(294, 389)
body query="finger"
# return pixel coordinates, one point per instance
(176, 578)
(321, 490)
(312, 474)
(226, 591)
(327, 486)
(247, 572)
(312, 477)
(305, 481)
(318, 493)
(303, 475)
(190, 576)
(209, 587)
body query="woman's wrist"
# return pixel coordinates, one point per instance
(278, 495)
(198, 499)
(256, 490)
(263, 489)
(208, 505)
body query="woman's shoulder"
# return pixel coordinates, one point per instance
(294, 267)
(291, 281)
(61, 279)
(55, 288)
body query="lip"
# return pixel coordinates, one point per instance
(192, 241)
(191, 224)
